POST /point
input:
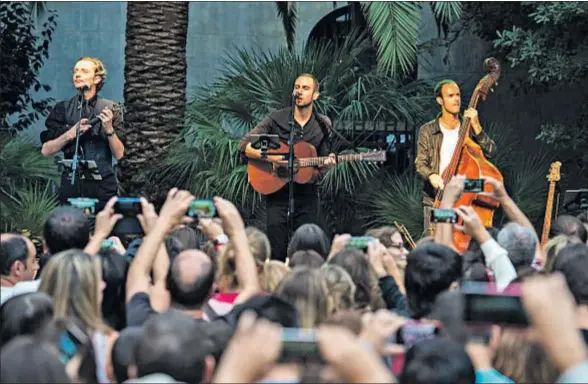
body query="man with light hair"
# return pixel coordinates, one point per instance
(520, 242)
(101, 121)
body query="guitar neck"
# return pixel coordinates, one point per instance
(548, 212)
(315, 161)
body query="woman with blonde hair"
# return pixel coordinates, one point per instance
(554, 246)
(226, 277)
(340, 286)
(273, 273)
(74, 280)
(306, 289)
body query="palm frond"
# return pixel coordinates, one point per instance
(29, 209)
(288, 15)
(446, 12)
(525, 181)
(392, 197)
(394, 27)
(22, 163)
(346, 177)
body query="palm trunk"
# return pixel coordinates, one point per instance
(154, 89)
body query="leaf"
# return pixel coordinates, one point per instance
(288, 15)
(394, 27)
(446, 12)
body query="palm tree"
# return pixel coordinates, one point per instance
(154, 90)
(204, 158)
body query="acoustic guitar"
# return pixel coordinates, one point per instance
(553, 177)
(266, 177)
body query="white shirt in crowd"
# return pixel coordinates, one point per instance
(450, 138)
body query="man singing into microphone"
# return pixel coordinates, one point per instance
(101, 120)
(310, 127)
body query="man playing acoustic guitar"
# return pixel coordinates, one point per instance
(309, 127)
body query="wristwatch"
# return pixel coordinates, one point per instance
(220, 240)
(110, 134)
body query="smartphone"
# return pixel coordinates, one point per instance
(439, 215)
(128, 206)
(359, 242)
(202, 209)
(484, 305)
(473, 185)
(415, 331)
(299, 344)
(107, 244)
(86, 205)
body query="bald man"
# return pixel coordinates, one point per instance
(190, 282)
(18, 266)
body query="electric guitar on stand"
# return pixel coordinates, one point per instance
(553, 177)
(268, 177)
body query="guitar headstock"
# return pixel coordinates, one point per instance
(379, 156)
(554, 174)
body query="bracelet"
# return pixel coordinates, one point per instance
(110, 134)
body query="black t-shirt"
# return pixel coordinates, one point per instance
(139, 309)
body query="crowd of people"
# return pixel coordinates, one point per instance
(167, 307)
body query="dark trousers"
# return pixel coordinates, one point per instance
(305, 211)
(102, 190)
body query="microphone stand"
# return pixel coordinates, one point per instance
(74, 163)
(290, 215)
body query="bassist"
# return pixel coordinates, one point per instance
(438, 138)
(309, 127)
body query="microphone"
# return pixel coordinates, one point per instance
(83, 88)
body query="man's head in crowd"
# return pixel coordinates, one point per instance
(18, 258)
(520, 242)
(174, 344)
(571, 226)
(190, 279)
(66, 228)
(572, 262)
(430, 269)
(440, 361)
(123, 352)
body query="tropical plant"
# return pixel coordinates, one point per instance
(205, 156)
(154, 89)
(393, 26)
(394, 197)
(26, 196)
(22, 53)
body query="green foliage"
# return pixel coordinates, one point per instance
(289, 16)
(394, 27)
(550, 50)
(393, 197)
(28, 208)
(22, 53)
(25, 188)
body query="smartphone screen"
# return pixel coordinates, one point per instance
(299, 344)
(202, 209)
(439, 215)
(473, 185)
(128, 206)
(483, 305)
(359, 242)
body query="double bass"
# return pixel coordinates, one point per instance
(468, 159)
